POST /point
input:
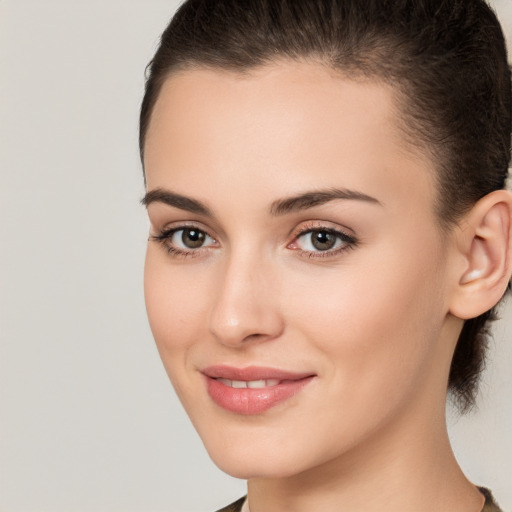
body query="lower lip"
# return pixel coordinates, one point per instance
(253, 400)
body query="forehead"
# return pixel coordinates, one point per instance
(279, 125)
(279, 94)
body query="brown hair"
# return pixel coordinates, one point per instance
(446, 59)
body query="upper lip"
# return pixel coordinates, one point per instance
(252, 373)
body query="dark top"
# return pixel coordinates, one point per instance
(489, 506)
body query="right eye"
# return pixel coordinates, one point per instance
(184, 241)
(190, 238)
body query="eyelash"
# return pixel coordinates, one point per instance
(348, 241)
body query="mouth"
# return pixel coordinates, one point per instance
(252, 390)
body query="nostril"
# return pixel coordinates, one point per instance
(254, 337)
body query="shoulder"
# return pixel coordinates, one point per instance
(235, 507)
(490, 504)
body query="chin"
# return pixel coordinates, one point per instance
(263, 454)
(261, 466)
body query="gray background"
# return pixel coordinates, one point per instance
(88, 420)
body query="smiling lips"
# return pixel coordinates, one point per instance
(252, 390)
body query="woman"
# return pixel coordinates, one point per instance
(329, 236)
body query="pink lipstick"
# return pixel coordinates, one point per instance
(254, 389)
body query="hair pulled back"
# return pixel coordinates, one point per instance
(446, 59)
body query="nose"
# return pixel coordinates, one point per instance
(246, 306)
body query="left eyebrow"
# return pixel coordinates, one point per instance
(315, 198)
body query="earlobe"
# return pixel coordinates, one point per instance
(485, 244)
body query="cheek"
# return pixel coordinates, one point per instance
(175, 303)
(378, 321)
(175, 306)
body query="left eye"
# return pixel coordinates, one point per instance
(190, 238)
(322, 240)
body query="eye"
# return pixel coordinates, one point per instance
(319, 241)
(184, 241)
(190, 238)
(322, 242)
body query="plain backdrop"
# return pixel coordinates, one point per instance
(88, 419)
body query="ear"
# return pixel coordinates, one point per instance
(486, 250)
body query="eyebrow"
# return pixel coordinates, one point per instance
(316, 198)
(279, 207)
(160, 195)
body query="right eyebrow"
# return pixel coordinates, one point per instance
(160, 195)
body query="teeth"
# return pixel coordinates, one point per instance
(253, 384)
(257, 384)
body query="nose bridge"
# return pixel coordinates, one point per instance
(245, 306)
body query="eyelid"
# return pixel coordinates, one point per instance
(183, 224)
(171, 227)
(320, 225)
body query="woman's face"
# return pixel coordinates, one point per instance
(296, 275)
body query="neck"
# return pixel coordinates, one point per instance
(408, 466)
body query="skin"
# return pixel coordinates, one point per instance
(373, 322)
